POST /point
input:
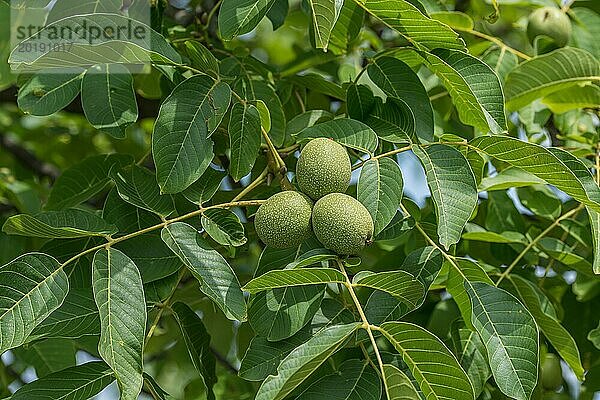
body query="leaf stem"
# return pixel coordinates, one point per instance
(257, 182)
(389, 153)
(366, 324)
(212, 13)
(165, 305)
(536, 240)
(280, 167)
(432, 242)
(167, 222)
(495, 41)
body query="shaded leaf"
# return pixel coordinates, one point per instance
(349, 132)
(114, 84)
(205, 187)
(280, 313)
(558, 336)
(76, 317)
(197, 341)
(224, 227)
(136, 185)
(263, 356)
(353, 380)
(181, 147)
(312, 257)
(217, 279)
(398, 80)
(244, 138)
(83, 180)
(471, 354)
(47, 93)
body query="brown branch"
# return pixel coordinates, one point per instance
(221, 358)
(28, 159)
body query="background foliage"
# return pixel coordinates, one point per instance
(127, 204)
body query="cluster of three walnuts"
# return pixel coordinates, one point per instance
(340, 222)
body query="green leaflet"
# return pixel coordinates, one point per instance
(34, 285)
(119, 295)
(441, 377)
(303, 361)
(181, 146)
(510, 336)
(217, 279)
(453, 189)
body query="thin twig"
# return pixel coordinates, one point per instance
(212, 13)
(536, 240)
(257, 182)
(389, 153)
(223, 360)
(365, 322)
(29, 159)
(495, 41)
(163, 224)
(163, 307)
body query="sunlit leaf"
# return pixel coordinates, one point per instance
(119, 295)
(237, 17)
(75, 383)
(510, 336)
(303, 360)
(453, 189)
(549, 73)
(380, 190)
(293, 277)
(435, 368)
(33, 286)
(71, 223)
(421, 31)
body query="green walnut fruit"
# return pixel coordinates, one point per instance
(342, 224)
(551, 372)
(551, 22)
(284, 219)
(323, 168)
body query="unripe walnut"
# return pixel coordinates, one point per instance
(323, 168)
(342, 224)
(551, 22)
(284, 219)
